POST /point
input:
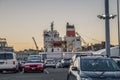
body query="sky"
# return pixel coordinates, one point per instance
(20, 20)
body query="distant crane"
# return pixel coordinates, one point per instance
(35, 43)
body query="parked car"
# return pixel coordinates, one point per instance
(66, 62)
(8, 62)
(94, 68)
(34, 63)
(58, 64)
(50, 63)
(80, 54)
(21, 64)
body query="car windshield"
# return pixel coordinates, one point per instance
(34, 58)
(33, 61)
(50, 60)
(67, 59)
(6, 56)
(98, 65)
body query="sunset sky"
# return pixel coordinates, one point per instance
(20, 20)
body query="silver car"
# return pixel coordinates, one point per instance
(50, 63)
(94, 68)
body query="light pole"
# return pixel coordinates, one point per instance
(106, 17)
(118, 27)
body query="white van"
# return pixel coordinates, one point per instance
(8, 62)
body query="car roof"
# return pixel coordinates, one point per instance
(94, 57)
(35, 55)
(49, 59)
(6, 52)
(116, 59)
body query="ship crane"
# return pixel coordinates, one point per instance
(86, 44)
(35, 43)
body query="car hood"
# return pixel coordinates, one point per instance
(33, 64)
(102, 75)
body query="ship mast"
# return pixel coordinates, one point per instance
(52, 24)
(52, 41)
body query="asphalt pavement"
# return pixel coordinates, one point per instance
(49, 74)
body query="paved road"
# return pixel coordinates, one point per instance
(49, 74)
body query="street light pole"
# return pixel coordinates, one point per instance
(118, 27)
(107, 29)
(106, 17)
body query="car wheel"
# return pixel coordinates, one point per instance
(20, 69)
(25, 71)
(1, 71)
(42, 71)
(54, 67)
(16, 70)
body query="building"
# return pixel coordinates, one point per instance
(4, 46)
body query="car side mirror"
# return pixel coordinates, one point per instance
(74, 68)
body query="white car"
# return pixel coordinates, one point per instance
(8, 62)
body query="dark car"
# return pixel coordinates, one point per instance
(66, 62)
(94, 68)
(21, 64)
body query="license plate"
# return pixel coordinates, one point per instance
(33, 68)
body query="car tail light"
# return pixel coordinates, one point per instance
(13, 62)
(27, 66)
(40, 65)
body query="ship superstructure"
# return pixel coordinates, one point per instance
(52, 41)
(73, 41)
(4, 46)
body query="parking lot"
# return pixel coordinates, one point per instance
(49, 74)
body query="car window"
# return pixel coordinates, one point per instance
(118, 63)
(98, 65)
(6, 56)
(34, 58)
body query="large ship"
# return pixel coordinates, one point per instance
(54, 43)
(73, 40)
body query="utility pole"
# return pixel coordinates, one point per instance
(106, 17)
(118, 27)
